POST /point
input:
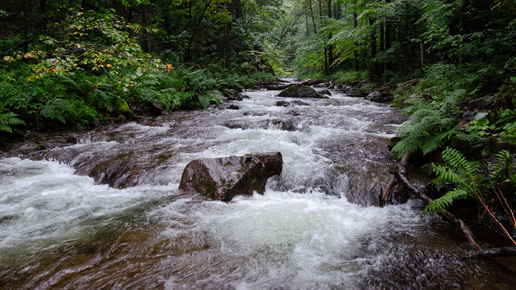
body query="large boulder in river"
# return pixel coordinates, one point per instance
(300, 91)
(223, 178)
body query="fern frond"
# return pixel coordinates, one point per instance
(446, 200)
(503, 167)
(57, 110)
(9, 119)
(437, 141)
(446, 174)
(457, 161)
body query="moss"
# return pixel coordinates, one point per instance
(210, 187)
(122, 108)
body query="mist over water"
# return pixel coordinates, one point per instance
(106, 212)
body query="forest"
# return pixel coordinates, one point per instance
(66, 64)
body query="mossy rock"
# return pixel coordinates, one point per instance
(225, 177)
(122, 108)
(300, 91)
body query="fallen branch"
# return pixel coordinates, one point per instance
(494, 252)
(394, 181)
(468, 234)
(498, 254)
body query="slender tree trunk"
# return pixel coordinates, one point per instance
(226, 41)
(43, 7)
(25, 15)
(313, 18)
(388, 39)
(374, 64)
(382, 46)
(338, 11)
(355, 59)
(238, 9)
(330, 53)
(145, 22)
(422, 53)
(330, 47)
(196, 28)
(462, 28)
(325, 50)
(226, 47)
(307, 24)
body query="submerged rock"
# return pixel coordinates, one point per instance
(282, 104)
(233, 95)
(300, 91)
(375, 97)
(325, 93)
(223, 178)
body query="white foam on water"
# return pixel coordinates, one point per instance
(284, 239)
(45, 200)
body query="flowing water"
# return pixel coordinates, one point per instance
(105, 212)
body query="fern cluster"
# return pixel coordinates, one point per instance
(7, 120)
(428, 128)
(458, 171)
(468, 180)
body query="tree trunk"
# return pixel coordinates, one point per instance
(307, 25)
(355, 55)
(374, 64)
(238, 8)
(382, 45)
(422, 53)
(25, 16)
(313, 18)
(145, 22)
(462, 28)
(226, 47)
(330, 47)
(388, 28)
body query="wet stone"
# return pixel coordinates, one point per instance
(282, 104)
(224, 178)
(300, 91)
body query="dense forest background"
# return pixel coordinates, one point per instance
(80, 61)
(74, 63)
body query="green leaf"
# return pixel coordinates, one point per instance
(480, 115)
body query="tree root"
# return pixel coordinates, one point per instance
(496, 254)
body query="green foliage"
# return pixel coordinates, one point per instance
(452, 83)
(428, 128)
(309, 60)
(507, 121)
(445, 201)
(349, 77)
(458, 171)
(480, 126)
(8, 120)
(469, 182)
(57, 110)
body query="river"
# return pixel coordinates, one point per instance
(104, 210)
